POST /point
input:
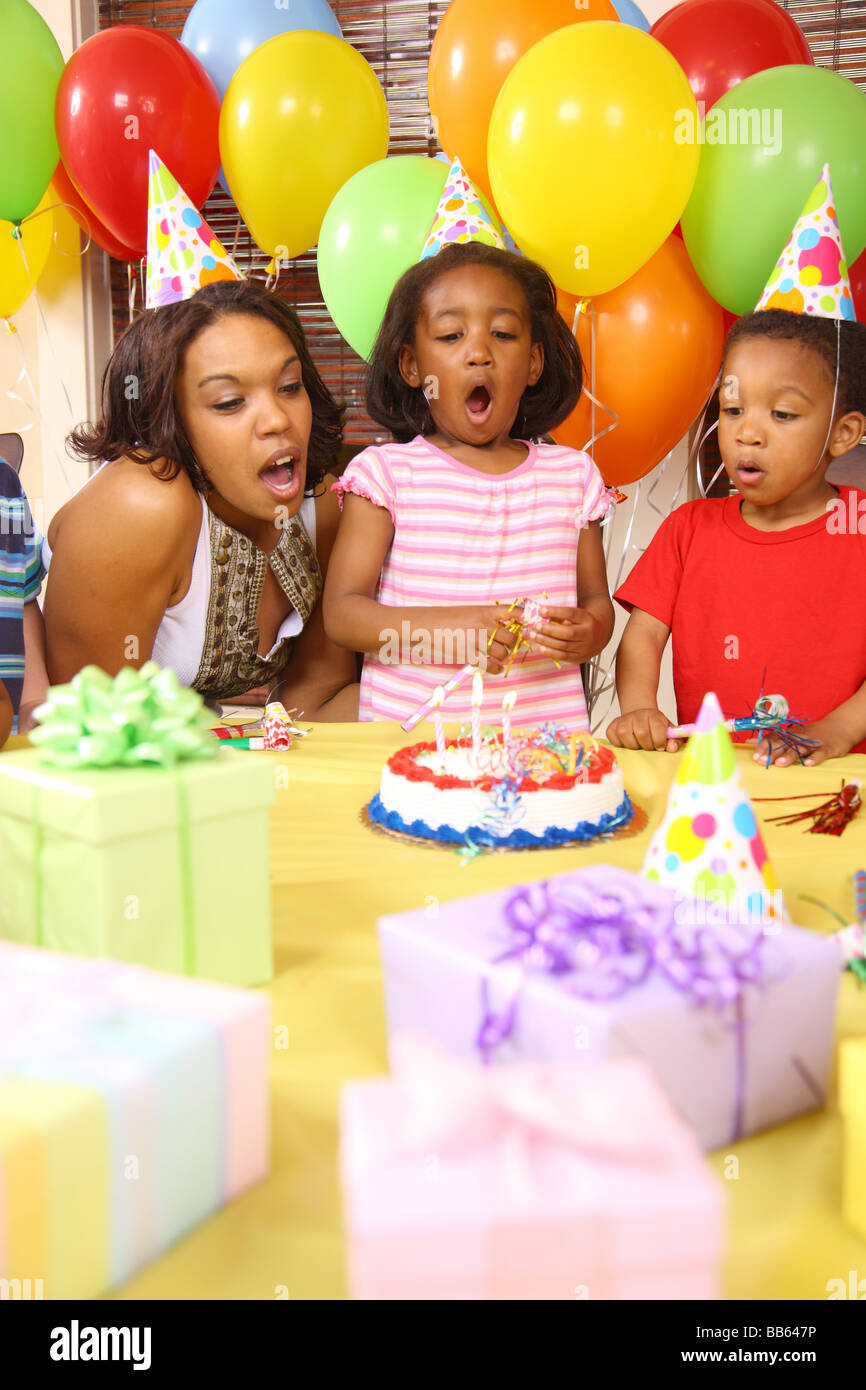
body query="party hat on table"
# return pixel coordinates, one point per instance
(182, 252)
(461, 216)
(278, 727)
(709, 845)
(811, 275)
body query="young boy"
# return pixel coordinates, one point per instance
(774, 577)
(23, 677)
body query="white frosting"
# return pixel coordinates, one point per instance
(465, 807)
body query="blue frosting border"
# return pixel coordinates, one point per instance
(518, 839)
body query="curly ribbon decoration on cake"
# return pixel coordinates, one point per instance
(140, 717)
(611, 946)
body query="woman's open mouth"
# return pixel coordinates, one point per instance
(479, 404)
(282, 477)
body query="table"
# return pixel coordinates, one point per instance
(332, 878)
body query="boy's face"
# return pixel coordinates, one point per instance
(775, 403)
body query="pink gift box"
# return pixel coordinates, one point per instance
(561, 1181)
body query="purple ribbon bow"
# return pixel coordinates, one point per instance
(611, 942)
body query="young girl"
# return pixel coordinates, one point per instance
(204, 539)
(772, 578)
(464, 512)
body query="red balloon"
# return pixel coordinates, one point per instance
(718, 43)
(87, 219)
(858, 286)
(125, 91)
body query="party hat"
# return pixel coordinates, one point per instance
(461, 216)
(709, 845)
(182, 252)
(811, 275)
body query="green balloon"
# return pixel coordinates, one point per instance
(751, 189)
(373, 231)
(32, 64)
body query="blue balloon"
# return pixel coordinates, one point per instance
(222, 33)
(628, 13)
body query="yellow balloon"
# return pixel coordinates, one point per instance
(302, 114)
(592, 152)
(20, 272)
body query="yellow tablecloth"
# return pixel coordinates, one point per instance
(332, 878)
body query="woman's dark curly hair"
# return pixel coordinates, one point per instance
(820, 335)
(404, 410)
(140, 416)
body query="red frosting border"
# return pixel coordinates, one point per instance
(403, 763)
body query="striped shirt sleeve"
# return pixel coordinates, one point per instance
(368, 475)
(597, 498)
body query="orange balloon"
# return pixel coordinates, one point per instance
(476, 46)
(658, 346)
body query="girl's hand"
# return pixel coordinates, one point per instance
(835, 739)
(491, 637)
(566, 634)
(642, 728)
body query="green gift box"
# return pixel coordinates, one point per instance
(163, 866)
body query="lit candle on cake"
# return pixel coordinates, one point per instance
(477, 697)
(508, 703)
(437, 702)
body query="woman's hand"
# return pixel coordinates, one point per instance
(834, 737)
(642, 728)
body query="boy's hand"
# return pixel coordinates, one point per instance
(565, 634)
(642, 728)
(835, 739)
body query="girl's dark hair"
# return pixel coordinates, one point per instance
(821, 336)
(140, 417)
(403, 409)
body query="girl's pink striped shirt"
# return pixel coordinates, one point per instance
(465, 537)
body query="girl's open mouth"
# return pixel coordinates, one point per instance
(282, 478)
(479, 405)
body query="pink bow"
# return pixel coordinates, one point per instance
(453, 1106)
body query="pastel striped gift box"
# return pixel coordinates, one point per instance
(133, 1105)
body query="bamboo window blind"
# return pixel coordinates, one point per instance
(395, 39)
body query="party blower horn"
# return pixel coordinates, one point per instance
(709, 846)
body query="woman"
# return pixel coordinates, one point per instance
(204, 539)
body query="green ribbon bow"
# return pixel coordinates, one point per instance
(143, 716)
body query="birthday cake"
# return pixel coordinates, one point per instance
(552, 788)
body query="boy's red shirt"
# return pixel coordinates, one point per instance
(740, 601)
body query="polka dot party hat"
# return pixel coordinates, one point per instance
(709, 844)
(461, 216)
(182, 252)
(811, 275)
